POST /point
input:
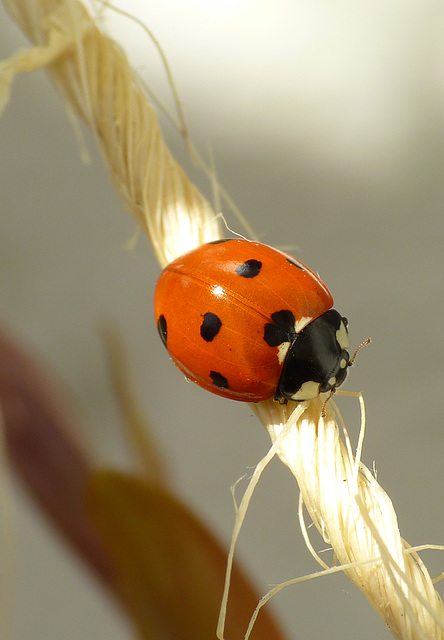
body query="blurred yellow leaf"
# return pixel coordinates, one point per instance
(170, 569)
(148, 460)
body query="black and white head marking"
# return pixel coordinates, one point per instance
(317, 360)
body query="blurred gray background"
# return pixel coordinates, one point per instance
(326, 122)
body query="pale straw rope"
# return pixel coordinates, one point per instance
(349, 508)
(94, 77)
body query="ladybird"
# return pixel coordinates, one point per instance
(248, 322)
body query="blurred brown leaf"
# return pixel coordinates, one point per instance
(39, 432)
(170, 568)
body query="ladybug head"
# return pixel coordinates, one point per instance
(317, 360)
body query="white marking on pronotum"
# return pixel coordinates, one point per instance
(301, 324)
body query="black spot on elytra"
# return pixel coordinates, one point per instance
(249, 269)
(282, 329)
(284, 319)
(295, 263)
(210, 326)
(274, 336)
(219, 380)
(162, 329)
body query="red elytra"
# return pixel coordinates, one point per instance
(248, 322)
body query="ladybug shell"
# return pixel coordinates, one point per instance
(228, 311)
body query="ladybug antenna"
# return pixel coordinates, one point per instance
(332, 392)
(327, 399)
(363, 344)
